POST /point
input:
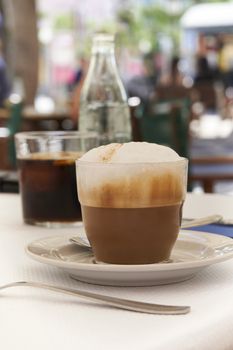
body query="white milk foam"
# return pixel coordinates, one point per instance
(132, 152)
(131, 175)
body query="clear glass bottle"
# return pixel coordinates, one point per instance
(103, 101)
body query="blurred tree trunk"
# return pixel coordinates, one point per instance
(22, 51)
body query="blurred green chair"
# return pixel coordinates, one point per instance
(7, 145)
(166, 123)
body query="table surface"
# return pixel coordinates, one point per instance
(30, 113)
(39, 319)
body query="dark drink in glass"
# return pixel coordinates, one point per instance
(47, 175)
(48, 188)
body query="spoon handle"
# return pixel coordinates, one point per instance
(120, 303)
(201, 221)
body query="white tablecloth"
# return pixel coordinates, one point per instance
(39, 319)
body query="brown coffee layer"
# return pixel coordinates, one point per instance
(132, 235)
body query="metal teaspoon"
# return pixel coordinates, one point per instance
(119, 303)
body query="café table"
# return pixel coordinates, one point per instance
(33, 119)
(211, 159)
(209, 170)
(39, 319)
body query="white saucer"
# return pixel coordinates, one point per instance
(193, 251)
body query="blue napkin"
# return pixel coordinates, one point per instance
(225, 230)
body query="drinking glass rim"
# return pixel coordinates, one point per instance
(181, 160)
(59, 134)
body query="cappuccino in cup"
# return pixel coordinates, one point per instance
(131, 198)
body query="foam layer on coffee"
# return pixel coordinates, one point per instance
(131, 152)
(132, 175)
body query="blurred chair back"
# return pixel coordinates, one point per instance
(14, 125)
(166, 123)
(205, 93)
(7, 146)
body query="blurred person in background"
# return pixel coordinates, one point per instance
(79, 73)
(143, 86)
(203, 71)
(4, 83)
(226, 63)
(170, 85)
(204, 88)
(76, 87)
(173, 76)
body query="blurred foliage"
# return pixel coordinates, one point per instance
(139, 28)
(64, 21)
(209, 1)
(150, 22)
(147, 26)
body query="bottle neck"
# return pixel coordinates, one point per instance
(103, 77)
(103, 48)
(103, 56)
(103, 52)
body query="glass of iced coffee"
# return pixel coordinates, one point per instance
(132, 206)
(46, 166)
